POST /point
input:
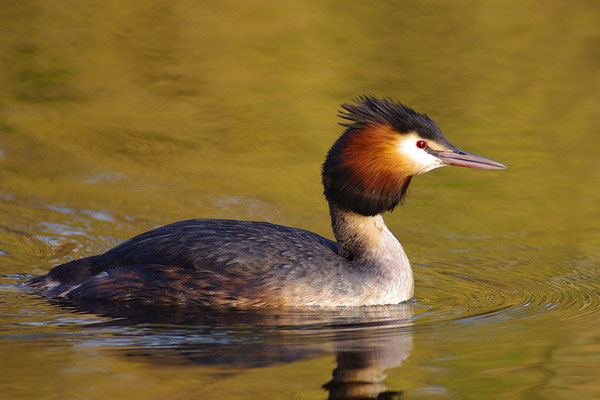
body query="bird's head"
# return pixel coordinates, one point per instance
(370, 166)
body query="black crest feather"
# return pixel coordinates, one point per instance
(369, 110)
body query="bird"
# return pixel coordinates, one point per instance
(234, 263)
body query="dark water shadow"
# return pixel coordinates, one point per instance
(367, 341)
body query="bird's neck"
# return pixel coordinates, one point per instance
(368, 241)
(360, 236)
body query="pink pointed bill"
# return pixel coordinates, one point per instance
(462, 158)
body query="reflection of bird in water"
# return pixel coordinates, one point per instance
(367, 341)
(240, 263)
(358, 375)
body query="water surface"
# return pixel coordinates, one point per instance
(119, 117)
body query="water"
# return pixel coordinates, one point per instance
(117, 118)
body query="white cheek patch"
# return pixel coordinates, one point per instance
(420, 158)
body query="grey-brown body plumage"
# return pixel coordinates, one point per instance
(211, 262)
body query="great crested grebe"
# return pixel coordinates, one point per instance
(240, 263)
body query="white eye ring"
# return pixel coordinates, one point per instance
(416, 156)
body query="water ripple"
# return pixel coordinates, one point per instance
(502, 295)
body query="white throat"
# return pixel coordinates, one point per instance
(368, 242)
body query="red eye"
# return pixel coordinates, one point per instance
(421, 144)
